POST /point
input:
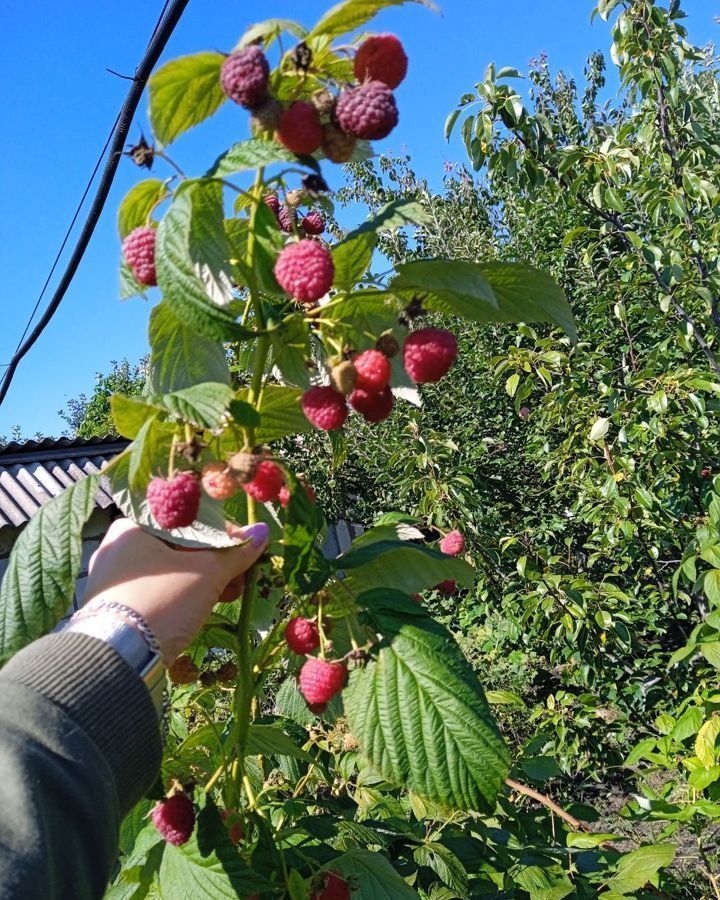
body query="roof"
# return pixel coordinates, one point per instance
(33, 472)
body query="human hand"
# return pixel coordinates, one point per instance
(173, 589)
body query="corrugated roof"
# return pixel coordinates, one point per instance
(33, 472)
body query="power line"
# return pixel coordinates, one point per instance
(169, 17)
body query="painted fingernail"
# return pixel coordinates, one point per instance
(257, 534)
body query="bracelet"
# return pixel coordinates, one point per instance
(98, 604)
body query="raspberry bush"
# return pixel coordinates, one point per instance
(326, 686)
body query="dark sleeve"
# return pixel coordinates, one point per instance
(79, 746)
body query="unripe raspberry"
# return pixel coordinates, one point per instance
(244, 77)
(336, 145)
(302, 635)
(447, 587)
(139, 252)
(333, 887)
(373, 371)
(266, 483)
(272, 203)
(174, 818)
(344, 377)
(295, 198)
(320, 680)
(705, 473)
(313, 223)
(299, 129)
(368, 112)
(388, 344)
(372, 406)
(305, 270)
(284, 496)
(174, 503)
(227, 673)
(183, 671)
(218, 481)
(381, 58)
(324, 103)
(325, 408)
(265, 118)
(243, 466)
(429, 354)
(233, 823)
(287, 218)
(453, 543)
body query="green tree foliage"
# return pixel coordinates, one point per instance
(92, 416)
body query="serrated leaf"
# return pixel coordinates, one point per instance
(183, 93)
(352, 258)
(205, 405)
(351, 14)
(445, 865)
(280, 413)
(148, 452)
(267, 740)
(130, 414)
(401, 566)
(636, 869)
(129, 285)
(269, 30)
(250, 154)
(395, 214)
(372, 876)
(711, 586)
(138, 203)
(305, 569)
(419, 712)
(706, 740)
(582, 840)
(451, 286)
(39, 582)
(179, 357)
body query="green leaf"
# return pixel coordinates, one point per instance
(599, 429)
(250, 154)
(280, 413)
(582, 840)
(179, 357)
(130, 414)
(706, 740)
(352, 258)
(504, 698)
(183, 93)
(451, 286)
(419, 712)
(138, 203)
(205, 405)
(39, 582)
(711, 586)
(268, 740)
(192, 256)
(445, 864)
(149, 452)
(129, 285)
(540, 768)
(688, 724)
(351, 14)
(395, 214)
(636, 869)
(291, 351)
(402, 566)
(372, 876)
(305, 569)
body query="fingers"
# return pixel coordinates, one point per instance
(237, 560)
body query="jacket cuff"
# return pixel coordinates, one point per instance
(105, 697)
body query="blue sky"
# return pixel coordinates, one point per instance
(59, 102)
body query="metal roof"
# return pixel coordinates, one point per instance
(33, 472)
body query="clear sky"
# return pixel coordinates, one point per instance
(59, 103)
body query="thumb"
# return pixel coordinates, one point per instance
(237, 560)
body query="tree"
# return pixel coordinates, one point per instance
(92, 416)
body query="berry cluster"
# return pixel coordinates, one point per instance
(320, 679)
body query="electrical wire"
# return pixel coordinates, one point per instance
(168, 19)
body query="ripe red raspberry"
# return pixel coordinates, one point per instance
(321, 680)
(313, 223)
(524, 412)
(705, 473)
(373, 371)
(429, 353)
(336, 145)
(368, 111)
(174, 503)
(285, 494)
(183, 671)
(272, 203)
(244, 77)
(233, 823)
(174, 818)
(139, 252)
(300, 129)
(218, 481)
(381, 58)
(287, 218)
(266, 482)
(453, 543)
(325, 408)
(447, 587)
(305, 270)
(302, 635)
(373, 407)
(334, 887)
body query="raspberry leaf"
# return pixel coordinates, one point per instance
(452, 286)
(149, 451)
(352, 258)
(280, 413)
(419, 712)
(183, 93)
(129, 285)
(39, 582)
(351, 14)
(138, 203)
(250, 154)
(395, 214)
(371, 875)
(205, 405)
(305, 569)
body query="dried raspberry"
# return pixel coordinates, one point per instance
(429, 353)
(266, 483)
(284, 497)
(349, 743)
(300, 129)
(227, 673)
(208, 678)
(453, 543)
(183, 671)
(295, 198)
(243, 466)
(302, 635)
(320, 680)
(387, 344)
(265, 118)
(305, 270)
(233, 822)
(336, 145)
(372, 406)
(174, 818)
(334, 887)
(368, 111)
(325, 408)
(343, 377)
(244, 77)
(373, 371)
(381, 58)
(174, 503)
(287, 218)
(313, 223)
(218, 481)
(324, 103)
(272, 203)
(447, 587)
(139, 252)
